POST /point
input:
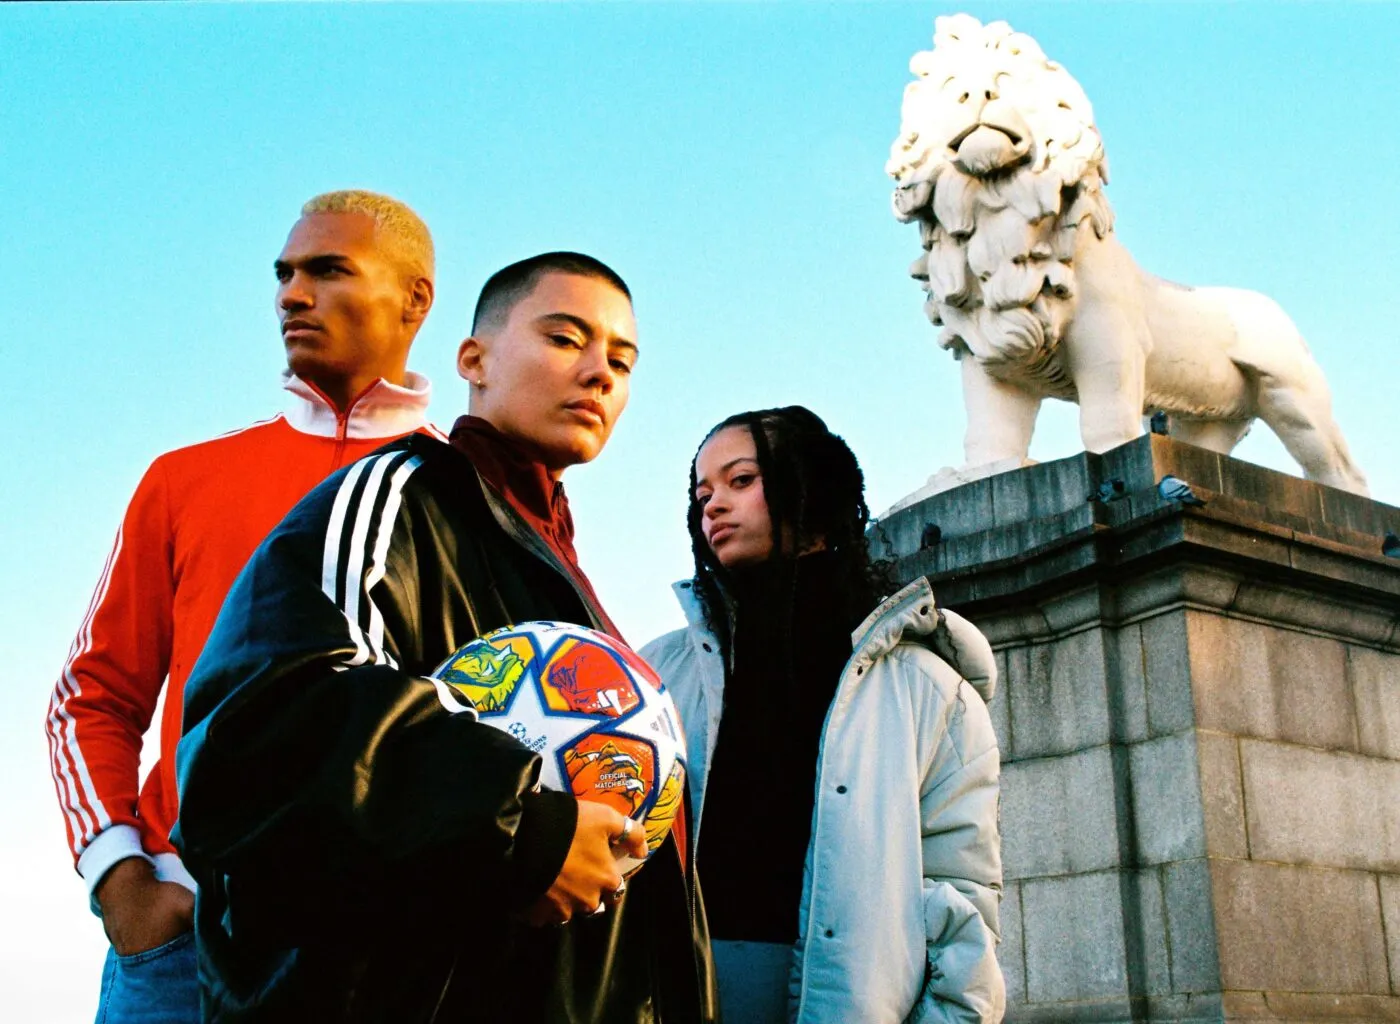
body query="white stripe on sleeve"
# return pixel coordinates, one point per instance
(358, 578)
(330, 562)
(355, 564)
(381, 553)
(62, 728)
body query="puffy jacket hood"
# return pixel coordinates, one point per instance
(897, 620)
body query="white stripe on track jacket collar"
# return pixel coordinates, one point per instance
(899, 908)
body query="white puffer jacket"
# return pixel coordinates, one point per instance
(903, 874)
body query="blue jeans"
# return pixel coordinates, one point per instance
(159, 986)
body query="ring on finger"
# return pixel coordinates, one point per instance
(621, 837)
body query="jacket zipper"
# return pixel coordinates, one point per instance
(342, 428)
(342, 422)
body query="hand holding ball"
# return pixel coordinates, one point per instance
(595, 712)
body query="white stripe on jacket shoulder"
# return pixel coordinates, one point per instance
(353, 562)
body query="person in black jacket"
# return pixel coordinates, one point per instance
(365, 849)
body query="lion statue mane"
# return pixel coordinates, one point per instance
(1000, 163)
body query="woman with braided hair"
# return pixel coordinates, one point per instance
(843, 768)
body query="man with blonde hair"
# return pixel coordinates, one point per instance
(354, 284)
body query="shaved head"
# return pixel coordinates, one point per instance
(509, 285)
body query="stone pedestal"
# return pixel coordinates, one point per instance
(1200, 730)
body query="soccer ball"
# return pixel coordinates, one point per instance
(594, 711)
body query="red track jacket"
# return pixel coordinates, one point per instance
(194, 520)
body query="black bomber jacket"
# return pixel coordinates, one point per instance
(362, 850)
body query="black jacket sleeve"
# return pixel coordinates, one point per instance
(326, 786)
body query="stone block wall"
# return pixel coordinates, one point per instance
(1199, 718)
(1104, 835)
(1158, 869)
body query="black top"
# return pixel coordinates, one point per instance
(791, 643)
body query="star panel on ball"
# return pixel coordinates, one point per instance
(592, 708)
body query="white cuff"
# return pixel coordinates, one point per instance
(170, 868)
(111, 846)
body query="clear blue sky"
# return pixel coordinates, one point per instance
(727, 159)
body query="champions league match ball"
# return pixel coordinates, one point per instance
(594, 711)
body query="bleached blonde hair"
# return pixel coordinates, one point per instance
(399, 229)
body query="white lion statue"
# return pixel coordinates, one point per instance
(999, 162)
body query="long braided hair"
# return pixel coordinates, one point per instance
(815, 492)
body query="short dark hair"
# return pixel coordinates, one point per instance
(509, 285)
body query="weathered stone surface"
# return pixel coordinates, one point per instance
(1267, 518)
(1390, 915)
(1058, 696)
(1011, 496)
(1245, 1006)
(1257, 680)
(1166, 794)
(1048, 619)
(1038, 549)
(1146, 927)
(1375, 682)
(1117, 1010)
(1151, 594)
(1310, 1008)
(1311, 611)
(1282, 928)
(1185, 1008)
(1196, 465)
(1222, 795)
(1270, 489)
(1011, 954)
(1191, 1008)
(1338, 562)
(1013, 627)
(1191, 926)
(1057, 815)
(1210, 585)
(1320, 807)
(1126, 678)
(903, 533)
(1356, 513)
(1127, 684)
(1167, 661)
(999, 709)
(1073, 610)
(1229, 534)
(1074, 938)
